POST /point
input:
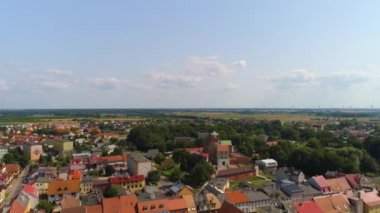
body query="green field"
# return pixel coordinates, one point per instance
(286, 117)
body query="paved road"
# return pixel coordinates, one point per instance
(15, 188)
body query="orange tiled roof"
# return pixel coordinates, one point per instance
(151, 206)
(115, 158)
(222, 148)
(12, 168)
(16, 207)
(339, 184)
(120, 204)
(94, 209)
(236, 197)
(63, 187)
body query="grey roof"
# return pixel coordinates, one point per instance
(256, 196)
(218, 182)
(43, 180)
(138, 157)
(291, 189)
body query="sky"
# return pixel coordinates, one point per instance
(185, 54)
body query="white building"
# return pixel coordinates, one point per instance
(267, 165)
(138, 164)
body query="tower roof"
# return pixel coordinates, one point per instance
(215, 134)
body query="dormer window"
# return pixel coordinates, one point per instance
(161, 205)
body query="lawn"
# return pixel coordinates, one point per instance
(253, 181)
(169, 172)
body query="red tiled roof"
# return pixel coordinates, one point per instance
(353, 179)
(236, 197)
(29, 189)
(126, 179)
(308, 207)
(194, 149)
(115, 158)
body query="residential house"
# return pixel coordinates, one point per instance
(339, 185)
(307, 207)
(118, 162)
(181, 189)
(218, 185)
(320, 183)
(86, 184)
(240, 200)
(58, 188)
(122, 204)
(336, 203)
(190, 203)
(13, 169)
(229, 208)
(26, 200)
(70, 202)
(291, 174)
(371, 200)
(42, 185)
(207, 202)
(131, 183)
(171, 205)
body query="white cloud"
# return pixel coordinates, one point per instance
(232, 86)
(105, 83)
(207, 66)
(344, 79)
(59, 72)
(55, 84)
(240, 64)
(4, 86)
(294, 76)
(304, 78)
(167, 79)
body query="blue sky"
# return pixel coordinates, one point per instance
(124, 54)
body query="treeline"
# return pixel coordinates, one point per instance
(315, 152)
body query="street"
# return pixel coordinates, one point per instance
(14, 190)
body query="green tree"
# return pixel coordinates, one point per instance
(159, 158)
(176, 174)
(201, 173)
(368, 164)
(114, 191)
(45, 205)
(289, 132)
(153, 177)
(314, 143)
